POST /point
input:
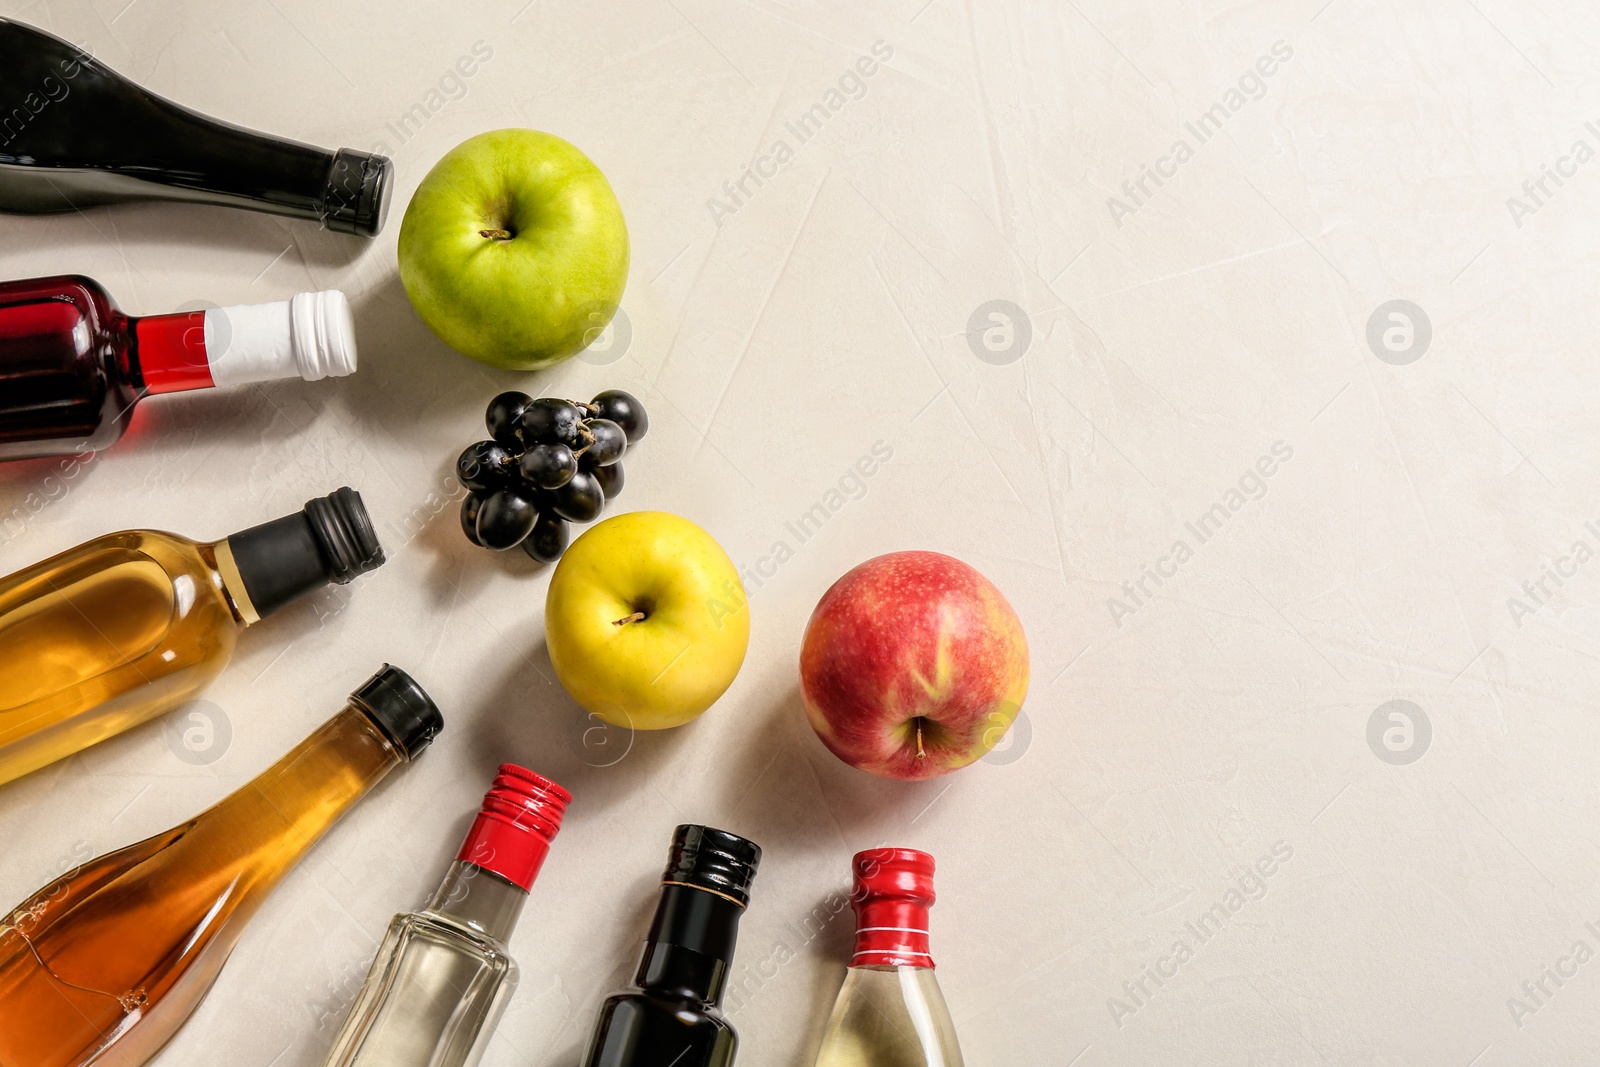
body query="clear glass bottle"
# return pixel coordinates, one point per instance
(891, 1012)
(672, 1017)
(443, 975)
(75, 134)
(73, 365)
(105, 964)
(130, 625)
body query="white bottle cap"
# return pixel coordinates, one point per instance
(312, 336)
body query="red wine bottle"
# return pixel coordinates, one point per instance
(72, 365)
(672, 1016)
(74, 133)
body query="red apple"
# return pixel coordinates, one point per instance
(913, 666)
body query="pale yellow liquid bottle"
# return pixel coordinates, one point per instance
(119, 630)
(891, 1012)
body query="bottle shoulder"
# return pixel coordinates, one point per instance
(895, 1016)
(441, 927)
(684, 1012)
(635, 1024)
(190, 565)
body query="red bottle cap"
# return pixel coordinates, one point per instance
(892, 895)
(520, 816)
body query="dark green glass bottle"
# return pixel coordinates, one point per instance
(74, 133)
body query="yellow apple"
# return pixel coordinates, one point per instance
(646, 620)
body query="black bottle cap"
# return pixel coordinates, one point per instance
(707, 858)
(398, 704)
(344, 533)
(357, 197)
(332, 540)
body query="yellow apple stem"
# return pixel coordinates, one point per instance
(637, 616)
(496, 235)
(920, 754)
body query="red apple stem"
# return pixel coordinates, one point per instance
(495, 235)
(637, 616)
(920, 754)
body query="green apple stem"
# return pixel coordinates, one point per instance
(637, 616)
(495, 235)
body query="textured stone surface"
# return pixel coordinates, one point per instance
(1177, 734)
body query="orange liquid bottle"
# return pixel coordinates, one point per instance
(105, 964)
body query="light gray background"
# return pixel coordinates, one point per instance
(1172, 745)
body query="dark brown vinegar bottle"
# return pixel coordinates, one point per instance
(74, 133)
(672, 1015)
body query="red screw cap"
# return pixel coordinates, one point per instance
(519, 819)
(893, 892)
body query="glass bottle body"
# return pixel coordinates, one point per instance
(68, 382)
(672, 1016)
(655, 1028)
(110, 959)
(440, 981)
(79, 135)
(105, 636)
(890, 1017)
(73, 366)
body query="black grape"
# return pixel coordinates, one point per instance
(581, 499)
(610, 442)
(625, 410)
(548, 539)
(548, 466)
(610, 479)
(485, 465)
(505, 519)
(503, 416)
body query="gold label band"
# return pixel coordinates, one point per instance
(233, 584)
(703, 889)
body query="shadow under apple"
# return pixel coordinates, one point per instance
(534, 722)
(864, 807)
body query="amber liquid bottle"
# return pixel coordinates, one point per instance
(118, 630)
(105, 964)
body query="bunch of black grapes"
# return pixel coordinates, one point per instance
(551, 462)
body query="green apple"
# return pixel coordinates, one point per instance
(513, 249)
(646, 620)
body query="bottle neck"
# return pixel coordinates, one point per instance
(170, 352)
(311, 336)
(285, 810)
(480, 900)
(891, 931)
(268, 567)
(109, 139)
(690, 946)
